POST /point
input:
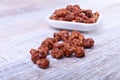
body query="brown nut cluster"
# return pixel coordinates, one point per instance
(74, 13)
(63, 44)
(39, 58)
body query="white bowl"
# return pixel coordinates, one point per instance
(72, 25)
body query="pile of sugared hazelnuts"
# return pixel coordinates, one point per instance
(63, 44)
(73, 13)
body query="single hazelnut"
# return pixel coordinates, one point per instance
(33, 51)
(79, 52)
(88, 43)
(57, 53)
(43, 63)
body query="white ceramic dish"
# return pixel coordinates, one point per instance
(72, 25)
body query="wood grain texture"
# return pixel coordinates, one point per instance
(23, 26)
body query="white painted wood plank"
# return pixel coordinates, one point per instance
(23, 28)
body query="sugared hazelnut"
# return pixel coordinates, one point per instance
(37, 56)
(33, 51)
(43, 63)
(49, 42)
(64, 35)
(56, 53)
(88, 43)
(69, 17)
(44, 48)
(79, 52)
(69, 7)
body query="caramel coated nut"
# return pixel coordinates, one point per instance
(88, 43)
(43, 48)
(60, 12)
(43, 63)
(77, 6)
(58, 45)
(43, 51)
(64, 35)
(79, 52)
(54, 17)
(64, 32)
(77, 43)
(49, 42)
(57, 36)
(39, 55)
(75, 35)
(68, 50)
(35, 57)
(69, 17)
(57, 53)
(69, 7)
(33, 51)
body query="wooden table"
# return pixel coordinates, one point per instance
(23, 26)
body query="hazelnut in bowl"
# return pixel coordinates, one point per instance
(72, 17)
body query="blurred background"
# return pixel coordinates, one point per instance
(20, 6)
(33, 13)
